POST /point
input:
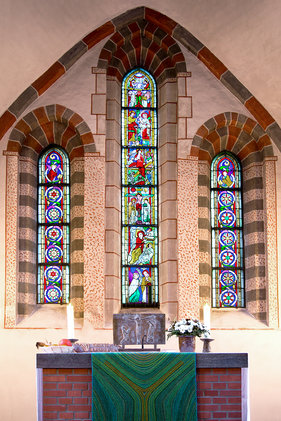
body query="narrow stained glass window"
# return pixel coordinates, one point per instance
(53, 227)
(139, 191)
(227, 232)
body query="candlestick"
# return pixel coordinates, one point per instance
(70, 321)
(207, 316)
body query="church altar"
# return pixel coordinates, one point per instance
(67, 387)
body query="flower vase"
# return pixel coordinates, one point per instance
(187, 343)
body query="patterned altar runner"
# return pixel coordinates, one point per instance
(144, 387)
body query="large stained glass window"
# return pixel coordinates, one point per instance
(227, 232)
(53, 227)
(139, 191)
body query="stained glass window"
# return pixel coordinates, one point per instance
(53, 227)
(227, 232)
(139, 191)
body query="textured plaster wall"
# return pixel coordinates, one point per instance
(245, 35)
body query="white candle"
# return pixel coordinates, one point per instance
(70, 322)
(207, 316)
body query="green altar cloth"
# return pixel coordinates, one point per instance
(144, 387)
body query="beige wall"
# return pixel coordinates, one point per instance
(245, 35)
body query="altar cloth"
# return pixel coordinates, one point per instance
(144, 387)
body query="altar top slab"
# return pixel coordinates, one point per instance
(83, 360)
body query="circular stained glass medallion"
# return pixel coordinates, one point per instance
(228, 298)
(53, 294)
(227, 258)
(54, 214)
(54, 233)
(227, 218)
(227, 238)
(53, 194)
(53, 253)
(53, 274)
(228, 278)
(226, 198)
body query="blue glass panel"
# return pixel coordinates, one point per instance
(227, 232)
(53, 227)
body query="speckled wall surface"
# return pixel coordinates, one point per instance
(188, 247)
(94, 239)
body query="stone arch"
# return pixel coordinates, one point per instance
(52, 124)
(142, 43)
(247, 140)
(234, 132)
(40, 128)
(176, 32)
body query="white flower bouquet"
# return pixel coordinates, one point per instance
(187, 327)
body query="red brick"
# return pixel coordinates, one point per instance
(235, 415)
(82, 408)
(50, 416)
(49, 371)
(231, 407)
(52, 386)
(67, 415)
(82, 371)
(73, 393)
(204, 401)
(67, 386)
(204, 415)
(58, 393)
(230, 393)
(65, 401)
(6, 121)
(211, 408)
(211, 393)
(56, 378)
(220, 371)
(48, 401)
(220, 400)
(234, 385)
(65, 370)
(80, 386)
(205, 385)
(87, 393)
(207, 378)
(48, 78)
(82, 415)
(81, 401)
(234, 400)
(55, 408)
(98, 34)
(219, 385)
(220, 415)
(230, 378)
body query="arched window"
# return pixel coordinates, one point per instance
(53, 226)
(139, 191)
(227, 232)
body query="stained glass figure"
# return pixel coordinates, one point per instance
(53, 227)
(227, 232)
(139, 191)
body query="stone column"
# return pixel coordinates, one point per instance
(167, 141)
(269, 177)
(12, 196)
(94, 239)
(188, 245)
